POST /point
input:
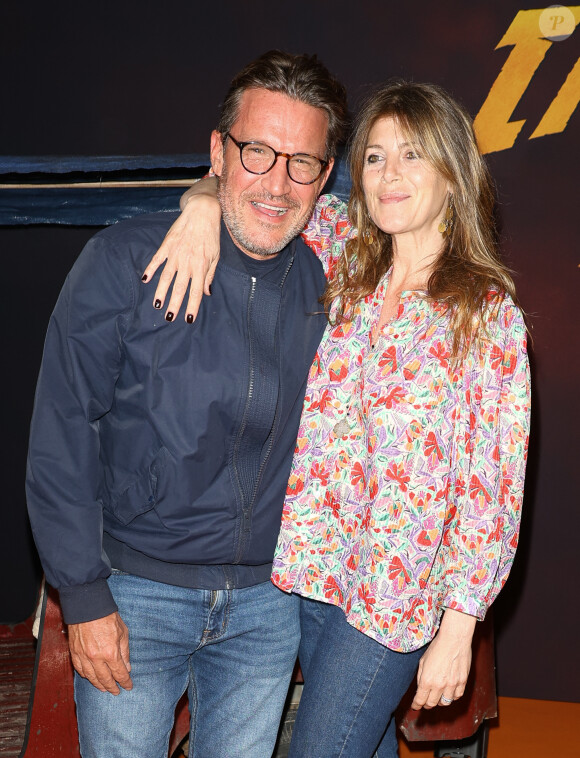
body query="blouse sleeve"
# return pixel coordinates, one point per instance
(492, 447)
(328, 231)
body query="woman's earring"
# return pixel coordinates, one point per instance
(368, 237)
(446, 225)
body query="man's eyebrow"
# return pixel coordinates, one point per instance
(267, 144)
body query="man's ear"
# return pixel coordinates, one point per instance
(326, 173)
(216, 153)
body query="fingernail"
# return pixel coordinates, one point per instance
(144, 278)
(157, 304)
(169, 316)
(190, 318)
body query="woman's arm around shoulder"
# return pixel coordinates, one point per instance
(328, 231)
(190, 250)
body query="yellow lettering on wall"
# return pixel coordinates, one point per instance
(492, 125)
(562, 106)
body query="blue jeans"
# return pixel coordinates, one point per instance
(352, 686)
(234, 650)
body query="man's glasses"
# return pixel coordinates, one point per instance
(258, 158)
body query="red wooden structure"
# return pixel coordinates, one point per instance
(52, 728)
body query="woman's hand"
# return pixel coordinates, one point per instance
(444, 668)
(191, 249)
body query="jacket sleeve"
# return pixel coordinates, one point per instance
(491, 457)
(328, 231)
(80, 366)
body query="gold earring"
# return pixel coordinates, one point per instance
(368, 237)
(446, 225)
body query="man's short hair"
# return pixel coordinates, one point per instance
(301, 77)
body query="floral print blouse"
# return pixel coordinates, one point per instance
(406, 488)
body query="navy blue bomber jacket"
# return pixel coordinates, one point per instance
(152, 445)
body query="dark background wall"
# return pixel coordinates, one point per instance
(141, 78)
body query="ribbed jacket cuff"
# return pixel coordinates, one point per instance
(86, 602)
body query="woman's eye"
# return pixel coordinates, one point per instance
(412, 155)
(373, 158)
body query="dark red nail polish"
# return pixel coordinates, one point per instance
(157, 304)
(169, 316)
(190, 318)
(144, 278)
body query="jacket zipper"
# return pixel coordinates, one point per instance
(245, 511)
(276, 415)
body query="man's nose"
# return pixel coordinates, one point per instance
(276, 181)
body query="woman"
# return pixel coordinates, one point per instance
(403, 504)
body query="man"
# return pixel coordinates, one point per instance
(159, 454)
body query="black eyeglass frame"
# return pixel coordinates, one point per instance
(277, 153)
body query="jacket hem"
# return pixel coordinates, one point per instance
(195, 576)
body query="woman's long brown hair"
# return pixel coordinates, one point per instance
(468, 275)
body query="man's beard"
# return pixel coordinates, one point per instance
(248, 239)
